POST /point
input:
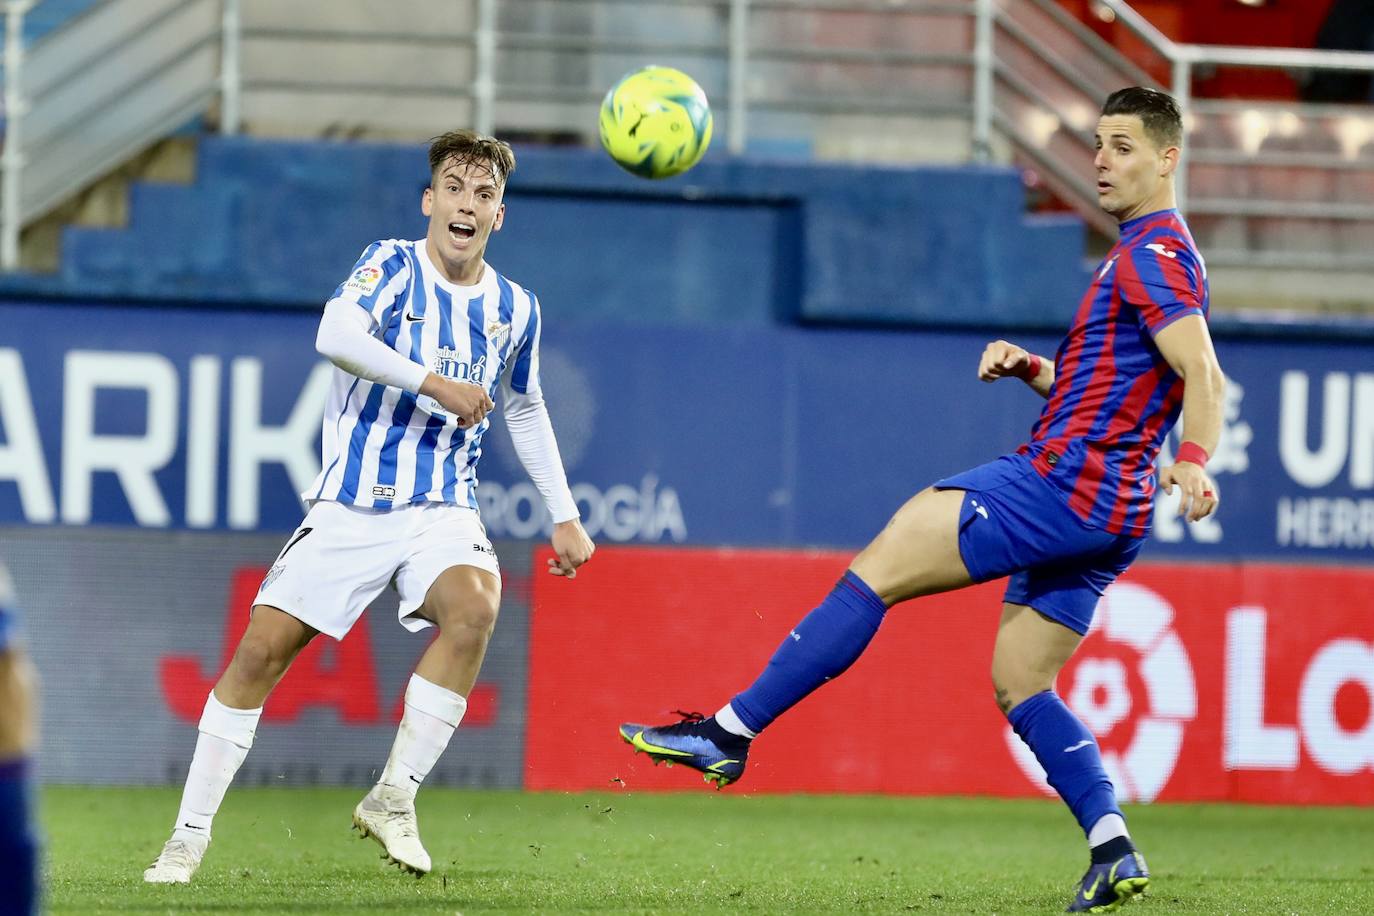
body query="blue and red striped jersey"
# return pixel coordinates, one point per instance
(1114, 397)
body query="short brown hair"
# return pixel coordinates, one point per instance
(1157, 111)
(467, 147)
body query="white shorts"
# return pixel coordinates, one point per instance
(341, 557)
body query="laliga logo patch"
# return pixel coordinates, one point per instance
(365, 280)
(1132, 685)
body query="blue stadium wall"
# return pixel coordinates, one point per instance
(208, 419)
(737, 242)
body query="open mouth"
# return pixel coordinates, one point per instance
(1103, 187)
(461, 232)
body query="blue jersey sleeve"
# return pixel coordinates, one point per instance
(377, 281)
(1163, 279)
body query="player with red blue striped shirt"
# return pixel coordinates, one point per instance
(1115, 396)
(1062, 517)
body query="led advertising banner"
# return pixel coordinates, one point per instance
(178, 418)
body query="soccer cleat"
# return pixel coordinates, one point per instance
(177, 862)
(1107, 886)
(388, 816)
(696, 742)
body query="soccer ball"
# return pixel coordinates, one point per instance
(656, 122)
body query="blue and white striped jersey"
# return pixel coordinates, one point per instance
(383, 446)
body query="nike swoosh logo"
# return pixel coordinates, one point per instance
(639, 742)
(411, 316)
(720, 763)
(1079, 746)
(1091, 890)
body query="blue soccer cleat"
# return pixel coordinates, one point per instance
(1110, 884)
(697, 742)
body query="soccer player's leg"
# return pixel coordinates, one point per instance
(916, 554)
(463, 601)
(326, 574)
(1047, 612)
(18, 828)
(227, 725)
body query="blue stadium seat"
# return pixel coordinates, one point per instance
(281, 222)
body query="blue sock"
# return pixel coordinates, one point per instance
(1069, 754)
(18, 840)
(821, 647)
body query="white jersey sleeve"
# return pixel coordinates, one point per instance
(527, 418)
(532, 434)
(345, 339)
(378, 281)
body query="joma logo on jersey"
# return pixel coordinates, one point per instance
(448, 364)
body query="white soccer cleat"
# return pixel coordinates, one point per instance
(177, 862)
(388, 816)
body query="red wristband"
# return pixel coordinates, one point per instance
(1192, 452)
(1032, 369)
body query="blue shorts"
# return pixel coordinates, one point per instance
(1015, 523)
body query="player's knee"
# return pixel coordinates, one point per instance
(473, 612)
(1012, 683)
(257, 659)
(1011, 688)
(463, 600)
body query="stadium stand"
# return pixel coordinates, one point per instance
(1279, 195)
(888, 246)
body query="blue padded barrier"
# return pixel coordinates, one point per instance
(748, 241)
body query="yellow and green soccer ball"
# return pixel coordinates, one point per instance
(656, 122)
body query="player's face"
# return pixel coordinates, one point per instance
(464, 208)
(1134, 177)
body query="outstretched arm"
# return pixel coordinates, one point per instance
(532, 434)
(1006, 360)
(1187, 346)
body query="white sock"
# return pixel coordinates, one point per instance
(1108, 827)
(431, 714)
(225, 736)
(729, 720)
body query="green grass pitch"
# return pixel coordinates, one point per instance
(291, 851)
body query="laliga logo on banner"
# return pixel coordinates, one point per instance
(1144, 670)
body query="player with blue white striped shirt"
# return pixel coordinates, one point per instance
(383, 445)
(421, 334)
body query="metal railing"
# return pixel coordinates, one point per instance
(1186, 58)
(84, 99)
(908, 80)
